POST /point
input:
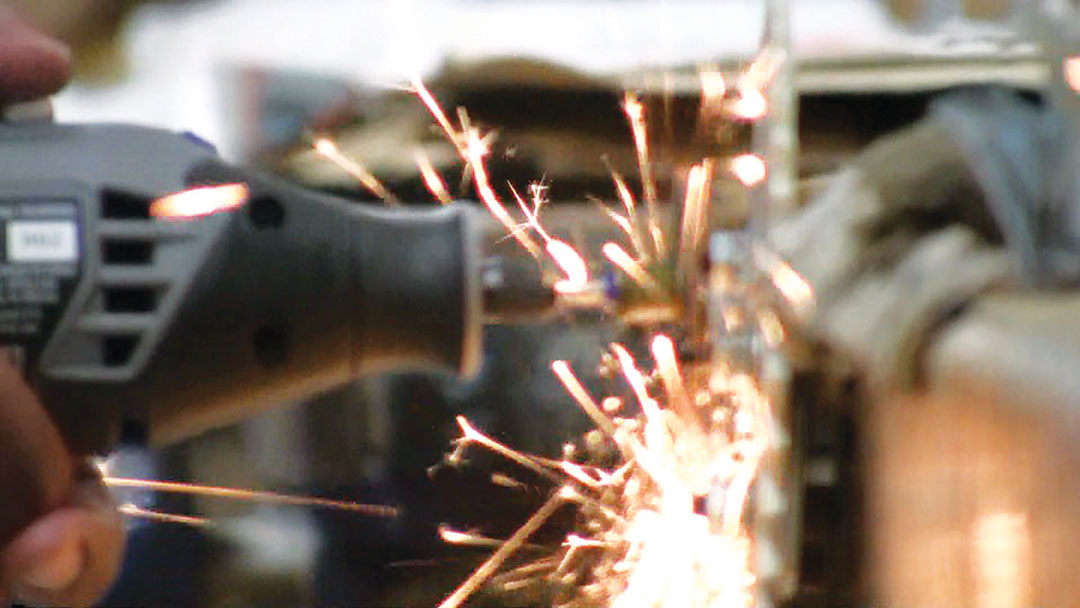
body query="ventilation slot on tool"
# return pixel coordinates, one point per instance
(127, 252)
(120, 205)
(116, 351)
(130, 299)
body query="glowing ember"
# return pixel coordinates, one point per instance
(200, 202)
(330, 151)
(749, 169)
(1071, 69)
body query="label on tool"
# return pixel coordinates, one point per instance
(40, 243)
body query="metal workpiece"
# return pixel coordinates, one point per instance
(1022, 348)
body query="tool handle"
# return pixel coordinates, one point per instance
(36, 469)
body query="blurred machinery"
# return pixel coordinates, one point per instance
(931, 415)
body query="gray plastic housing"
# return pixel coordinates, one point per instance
(179, 325)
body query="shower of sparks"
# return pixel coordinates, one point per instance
(138, 512)
(635, 112)
(431, 177)
(647, 545)
(749, 169)
(250, 495)
(331, 152)
(200, 201)
(618, 256)
(699, 437)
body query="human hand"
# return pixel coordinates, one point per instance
(61, 538)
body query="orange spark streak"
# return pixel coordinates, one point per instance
(200, 201)
(578, 392)
(695, 208)
(635, 111)
(667, 362)
(794, 287)
(474, 154)
(253, 495)
(330, 151)
(630, 205)
(431, 177)
(637, 381)
(618, 256)
(470, 434)
(138, 512)
(456, 537)
(749, 169)
(437, 112)
(493, 563)
(565, 256)
(622, 222)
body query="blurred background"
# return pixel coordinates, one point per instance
(259, 77)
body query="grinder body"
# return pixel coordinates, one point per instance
(158, 328)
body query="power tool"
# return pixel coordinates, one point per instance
(150, 291)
